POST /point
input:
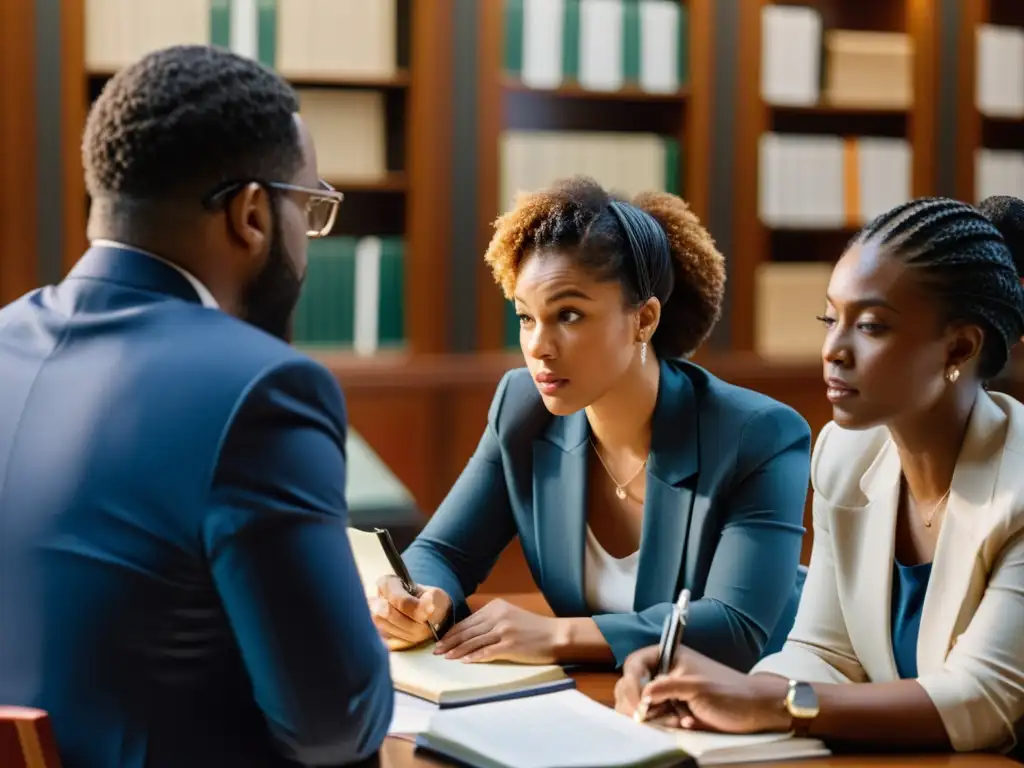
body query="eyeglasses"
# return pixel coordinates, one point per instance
(321, 203)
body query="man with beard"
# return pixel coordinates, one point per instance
(176, 584)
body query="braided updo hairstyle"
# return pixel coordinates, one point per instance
(971, 258)
(653, 245)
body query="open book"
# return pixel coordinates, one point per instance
(418, 672)
(569, 730)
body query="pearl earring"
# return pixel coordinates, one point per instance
(643, 353)
(952, 374)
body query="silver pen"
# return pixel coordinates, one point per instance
(671, 638)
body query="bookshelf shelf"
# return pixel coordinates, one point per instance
(507, 108)
(393, 183)
(845, 136)
(309, 79)
(406, 204)
(313, 80)
(575, 91)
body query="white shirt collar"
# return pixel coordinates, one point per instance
(204, 293)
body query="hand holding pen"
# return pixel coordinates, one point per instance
(652, 662)
(405, 613)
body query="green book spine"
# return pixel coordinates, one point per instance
(267, 39)
(342, 305)
(308, 328)
(511, 326)
(631, 41)
(220, 23)
(570, 44)
(514, 37)
(673, 167)
(683, 49)
(391, 314)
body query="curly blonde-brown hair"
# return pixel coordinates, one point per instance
(575, 217)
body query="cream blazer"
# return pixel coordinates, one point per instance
(970, 649)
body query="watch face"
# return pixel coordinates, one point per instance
(803, 701)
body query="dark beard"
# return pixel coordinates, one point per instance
(269, 301)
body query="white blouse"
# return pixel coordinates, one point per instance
(610, 583)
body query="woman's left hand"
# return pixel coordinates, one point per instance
(501, 632)
(718, 698)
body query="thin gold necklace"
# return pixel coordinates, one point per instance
(620, 488)
(935, 507)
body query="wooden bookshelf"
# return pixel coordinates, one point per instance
(753, 242)
(974, 129)
(408, 201)
(19, 180)
(503, 102)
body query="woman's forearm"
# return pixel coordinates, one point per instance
(578, 640)
(897, 714)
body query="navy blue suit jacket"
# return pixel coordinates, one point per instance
(727, 481)
(176, 584)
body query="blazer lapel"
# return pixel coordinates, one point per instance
(668, 501)
(865, 552)
(560, 511)
(970, 515)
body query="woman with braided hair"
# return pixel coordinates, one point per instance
(910, 633)
(626, 473)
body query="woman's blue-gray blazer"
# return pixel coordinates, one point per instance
(727, 480)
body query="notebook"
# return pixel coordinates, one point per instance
(446, 682)
(570, 730)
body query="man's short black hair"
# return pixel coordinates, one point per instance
(187, 118)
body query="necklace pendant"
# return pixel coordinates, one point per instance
(927, 523)
(620, 492)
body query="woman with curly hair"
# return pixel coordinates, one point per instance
(626, 472)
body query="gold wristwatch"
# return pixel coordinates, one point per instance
(802, 705)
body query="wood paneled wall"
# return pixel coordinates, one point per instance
(19, 191)
(425, 415)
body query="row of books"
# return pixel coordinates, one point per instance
(830, 182)
(600, 45)
(354, 294)
(999, 88)
(303, 39)
(861, 69)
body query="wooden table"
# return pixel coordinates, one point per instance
(600, 686)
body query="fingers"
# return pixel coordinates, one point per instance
(391, 589)
(461, 640)
(641, 663)
(469, 627)
(636, 672)
(479, 648)
(670, 688)
(402, 625)
(627, 695)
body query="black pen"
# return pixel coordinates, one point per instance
(671, 639)
(398, 566)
